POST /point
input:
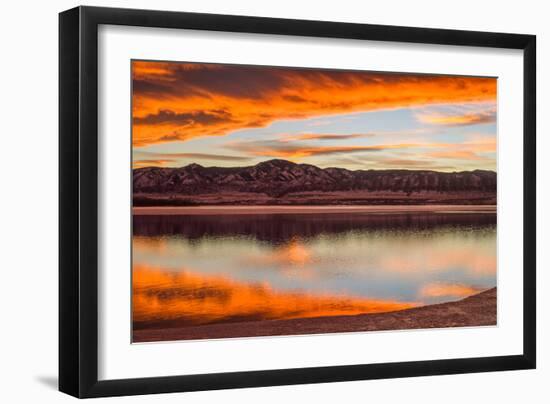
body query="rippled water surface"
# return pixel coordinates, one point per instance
(203, 269)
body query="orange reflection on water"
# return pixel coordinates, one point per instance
(448, 290)
(150, 245)
(295, 253)
(189, 298)
(293, 258)
(474, 261)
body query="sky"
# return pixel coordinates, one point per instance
(236, 115)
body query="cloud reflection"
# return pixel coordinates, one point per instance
(185, 298)
(448, 290)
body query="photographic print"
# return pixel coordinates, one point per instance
(284, 201)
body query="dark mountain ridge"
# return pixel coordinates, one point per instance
(277, 178)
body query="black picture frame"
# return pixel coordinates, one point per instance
(78, 201)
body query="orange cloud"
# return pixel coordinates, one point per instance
(283, 149)
(325, 136)
(458, 155)
(410, 163)
(304, 151)
(475, 118)
(146, 158)
(144, 70)
(480, 145)
(151, 163)
(181, 101)
(469, 150)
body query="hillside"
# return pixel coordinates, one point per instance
(281, 181)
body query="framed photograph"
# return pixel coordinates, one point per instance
(251, 201)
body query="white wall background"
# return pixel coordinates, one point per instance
(28, 287)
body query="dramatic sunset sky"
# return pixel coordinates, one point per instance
(231, 115)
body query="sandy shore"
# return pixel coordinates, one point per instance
(477, 310)
(255, 210)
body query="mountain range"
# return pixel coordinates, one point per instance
(277, 181)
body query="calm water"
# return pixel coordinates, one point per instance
(190, 270)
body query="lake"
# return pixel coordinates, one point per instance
(196, 269)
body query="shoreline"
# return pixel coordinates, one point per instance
(305, 209)
(473, 311)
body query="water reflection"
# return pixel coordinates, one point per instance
(192, 270)
(164, 299)
(284, 227)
